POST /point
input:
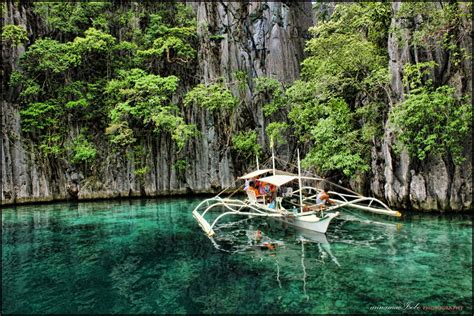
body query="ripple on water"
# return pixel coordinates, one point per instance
(149, 256)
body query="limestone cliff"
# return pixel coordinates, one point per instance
(257, 38)
(250, 38)
(437, 183)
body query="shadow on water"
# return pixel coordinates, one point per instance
(150, 256)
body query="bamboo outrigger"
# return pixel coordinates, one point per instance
(296, 208)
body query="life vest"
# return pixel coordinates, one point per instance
(263, 188)
(254, 190)
(272, 188)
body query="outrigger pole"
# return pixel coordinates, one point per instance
(299, 181)
(273, 156)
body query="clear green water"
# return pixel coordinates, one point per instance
(151, 257)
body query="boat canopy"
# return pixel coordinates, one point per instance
(281, 172)
(254, 174)
(278, 180)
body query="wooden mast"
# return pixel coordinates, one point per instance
(273, 157)
(299, 181)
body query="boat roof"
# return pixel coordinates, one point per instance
(278, 180)
(255, 173)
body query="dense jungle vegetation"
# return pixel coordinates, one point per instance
(124, 73)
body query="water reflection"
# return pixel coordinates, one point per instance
(276, 244)
(322, 241)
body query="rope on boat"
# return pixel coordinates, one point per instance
(371, 221)
(322, 179)
(357, 215)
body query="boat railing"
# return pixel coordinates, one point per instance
(370, 204)
(359, 204)
(253, 198)
(243, 213)
(233, 206)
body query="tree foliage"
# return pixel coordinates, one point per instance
(120, 71)
(49, 57)
(246, 143)
(433, 121)
(275, 132)
(273, 91)
(174, 43)
(213, 97)
(89, 69)
(144, 100)
(346, 60)
(337, 144)
(72, 18)
(83, 150)
(14, 34)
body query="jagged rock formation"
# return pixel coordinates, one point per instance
(437, 183)
(258, 38)
(255, 39)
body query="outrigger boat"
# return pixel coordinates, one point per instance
(296, 208)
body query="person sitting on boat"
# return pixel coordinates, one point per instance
(271, 192)
(257, 182)
(247, 185)
(322, 199)
(262, 189)
(252, 187)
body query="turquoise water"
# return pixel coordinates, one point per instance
(150, 256)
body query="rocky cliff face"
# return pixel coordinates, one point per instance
(256, 38)
(437, 183)
(237, 42)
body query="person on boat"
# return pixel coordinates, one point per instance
(271, 191)
(323, 198)
(252, 187)
(247, 185)
(262, 189)
(257, 182)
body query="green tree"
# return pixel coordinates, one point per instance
(337, 144)
(433, 121)
(246, 143)
(171, 35)
(273, 91)
(72, 18)
(14, 34)
(49, 57)
(346, 62)
(140, 99)
(83, 150)
(275, 131)
(213, 97)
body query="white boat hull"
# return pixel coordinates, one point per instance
(292, 210)
(310, 222)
